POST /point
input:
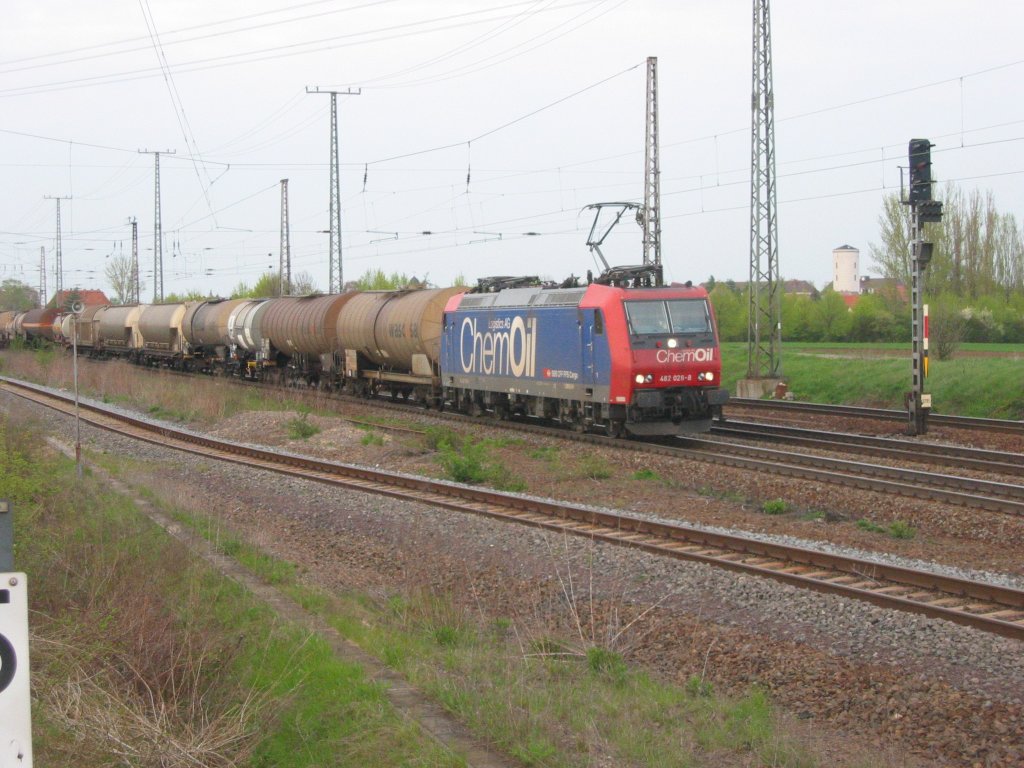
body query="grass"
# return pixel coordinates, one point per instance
(470, 461)
(898, 529)
(970, 386)
(775, 507)
(547, 696)
(142, 655)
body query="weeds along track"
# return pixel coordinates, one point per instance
(987, 607)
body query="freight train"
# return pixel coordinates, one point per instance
(620, 354)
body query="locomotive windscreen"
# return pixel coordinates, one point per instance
(672, 316)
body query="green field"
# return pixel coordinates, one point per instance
(984, 380)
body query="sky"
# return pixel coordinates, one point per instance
(477, 131)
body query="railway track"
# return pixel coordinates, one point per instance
(982, 460)
(883, 414)
(1005, 498)
(988, 607)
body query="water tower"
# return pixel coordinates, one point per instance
(846, 269)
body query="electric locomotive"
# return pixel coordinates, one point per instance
(623, 354)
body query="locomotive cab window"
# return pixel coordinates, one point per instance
(689, 316)
(673, 316)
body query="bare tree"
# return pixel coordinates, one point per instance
(118, 272)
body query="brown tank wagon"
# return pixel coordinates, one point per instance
(305, 325)
(38, 324)
(390, 328)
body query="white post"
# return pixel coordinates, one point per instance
(78, 425)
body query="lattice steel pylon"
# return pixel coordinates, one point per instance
(58, 253)
(286, 246)
(136, 292)
(764, 325)
(651, 212)
(158, 239)
(42, 276)
(335, 281)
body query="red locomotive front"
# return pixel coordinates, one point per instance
(666, 362)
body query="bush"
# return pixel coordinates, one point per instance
(775, 507)
(301, 429)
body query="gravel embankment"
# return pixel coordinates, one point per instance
(858, 680)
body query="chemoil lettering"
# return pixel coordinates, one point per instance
(511, 352)
(697, 355)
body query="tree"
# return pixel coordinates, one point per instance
(798, 318)
(303, 284)
(977, 250)
(121, 276)
(18, 296)
(831, 317)
(730, 313)
(377, 280)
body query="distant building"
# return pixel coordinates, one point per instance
(792, 287)
(799, 288)
(87, 296)
(846, 269)
(886, 286)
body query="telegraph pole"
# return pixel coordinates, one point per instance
(336, 283)
(924, 210)
(42, 276)
(136, 292)
(286, 247)
(59, 278)
(158, 251)
(764, 322)
(652, 174)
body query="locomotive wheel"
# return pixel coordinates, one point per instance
(615, 427)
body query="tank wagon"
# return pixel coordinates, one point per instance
(117, 330)
(300, 335)
(205, 327)
(162, 342)
(392, 340)
(85, 326)
(642, 361)
(37, 325)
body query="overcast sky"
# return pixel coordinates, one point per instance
(488, 124)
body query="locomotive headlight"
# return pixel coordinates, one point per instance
(639, 378)
(649, 378)
(644, 378)
(672, 343)
(709, 376)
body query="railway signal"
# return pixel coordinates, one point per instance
(920, 170)
(924, 210)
